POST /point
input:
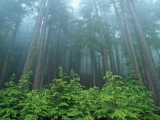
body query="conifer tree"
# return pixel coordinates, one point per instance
(32, 49)
(150, 72)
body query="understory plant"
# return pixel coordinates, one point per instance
(12, 96)
(66, 99)
(125, 101)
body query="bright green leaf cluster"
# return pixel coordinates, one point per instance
(62, 100)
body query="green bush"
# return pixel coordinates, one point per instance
(126, 101)
(62, 100)
(35, 106)
(68, 100)
(12, 96)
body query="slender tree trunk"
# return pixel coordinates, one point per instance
(56, 62)
(104, 51)
(51, 55)
(87, 72)
(93, 65)
(21, 64)
(70, 59)
(128, 44)
(134, 59)
(32, 49)
(1, 44)
(38, 70)
(117, 59)
(111, 58)
(10, 48)
(52, 59)
(78, 60)
(157, 51)
(110, 50)
(150, 72)
(99, 71)
(47, 54)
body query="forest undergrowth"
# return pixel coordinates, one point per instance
(61, 100)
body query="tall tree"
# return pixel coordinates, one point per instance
(10, 47)
(153, 82)
(38, 70)
(32, 49)
(128, 43)
(56, 61)
(94, 66)
(104, 50)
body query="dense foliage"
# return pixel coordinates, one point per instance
(62, 100)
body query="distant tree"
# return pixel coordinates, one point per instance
(104, 51)
(10, 23)
(10, 47)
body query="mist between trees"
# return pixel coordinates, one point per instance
(121, 36)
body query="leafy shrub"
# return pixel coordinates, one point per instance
(125, 101)
(35, 106)
(63, 100)
(11, 97)
(68, 100)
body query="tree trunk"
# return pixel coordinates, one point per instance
(78, 56)
(117, 59)
(51, 55)
(32, 49)
(150, 72)
(38, 70)
(111, 58)
(157, 51)
(47, 54)
(104, 51)
(56, 62)
(128, 44)
(10, 48)
(1, 43)
(93, 65)
(99, 71)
